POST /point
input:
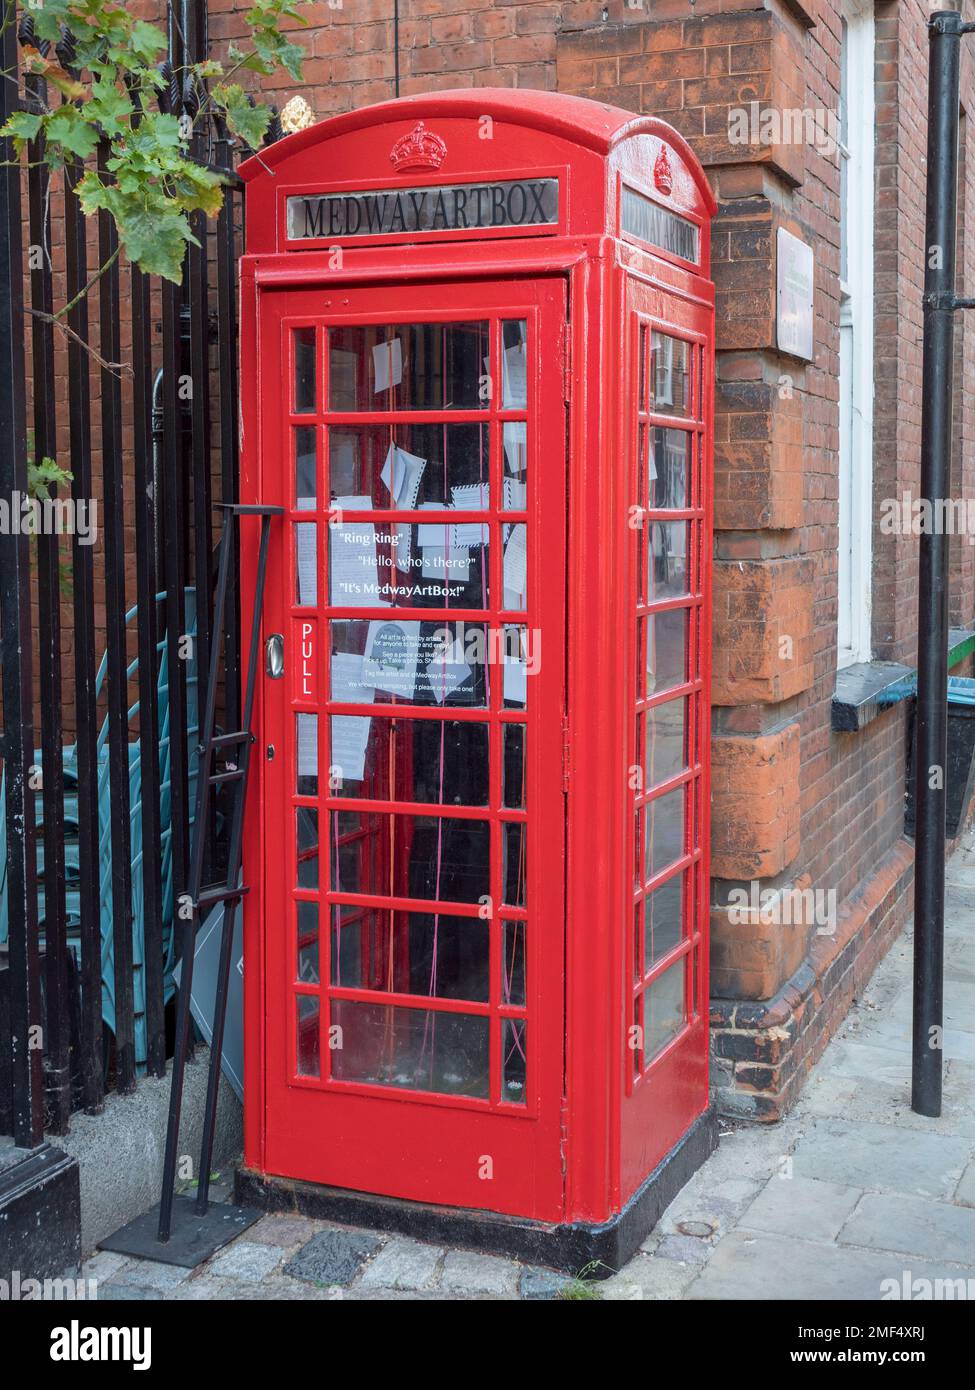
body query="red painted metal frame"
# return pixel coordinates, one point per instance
(663, 1094)
(612, 1126)
(450, 1149)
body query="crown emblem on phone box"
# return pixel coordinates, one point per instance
(421, 149)
(662, 176)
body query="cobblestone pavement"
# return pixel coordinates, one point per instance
(851, 1190)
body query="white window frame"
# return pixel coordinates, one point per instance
(855, 504)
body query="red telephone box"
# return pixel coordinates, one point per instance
(477, 356)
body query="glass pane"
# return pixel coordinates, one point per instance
(514, 1060)
(513, 963)
(439, 564)
(423, 366)
(670, 372)
(410, 856)
(385, 660)
(514, 365)
(641, 467)
(303, 340)
(664, 822)
(514, 845)
(638, 818)
(516, 566)
(521, 657)
(430, 954)
(637, 966)
(635, 1041)
(515, 497)
(413, 760)
(668, 559)
(387, 1045)
(306, 740)
(666, 738)
(670, 466)
(449, 957)
(308, 1045)
(306, 565)
(403, 467)
(641, 665)
(663, 912)
(663, 1009)
(666, 639)
(306, 484)
(307, 942)
(307, 847)
(514, 768)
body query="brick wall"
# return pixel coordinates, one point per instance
(776, 512)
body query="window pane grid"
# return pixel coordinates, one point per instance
(667, 590)
(369, 843)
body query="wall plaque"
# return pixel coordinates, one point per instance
(794, 295)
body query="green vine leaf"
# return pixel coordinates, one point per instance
(248, 122)
(68, 129)
(146, 179)
(111, 108)
(146, 41)
(22, 126)
(45, 475)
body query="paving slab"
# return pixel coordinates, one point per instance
(333, 1256)
(859, 1099)
(754, 1266)
(274, 1289)
(247, 1260)
(802, 1207)
(286, 1231)
(465, 1271)
(103, 1265)
(861, 1058)
(686, 1249)
(882, 1157)
(403, 1264)
(646, 1278)
(118, 1292)
(937, 1230)
(965, 1192)
(151, 1274)
(711, 1201)
(541, 1285)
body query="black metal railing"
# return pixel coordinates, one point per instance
(134, 391)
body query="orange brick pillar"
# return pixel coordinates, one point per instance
(696, 72)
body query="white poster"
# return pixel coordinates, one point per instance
(355, 580)
(391, 657)
(305, 563)
(350, 738)
(401, 475)
(387, 363)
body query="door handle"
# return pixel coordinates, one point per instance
(274, 656)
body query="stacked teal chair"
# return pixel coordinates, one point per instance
(71, 852)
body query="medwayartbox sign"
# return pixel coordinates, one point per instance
(439, 207)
